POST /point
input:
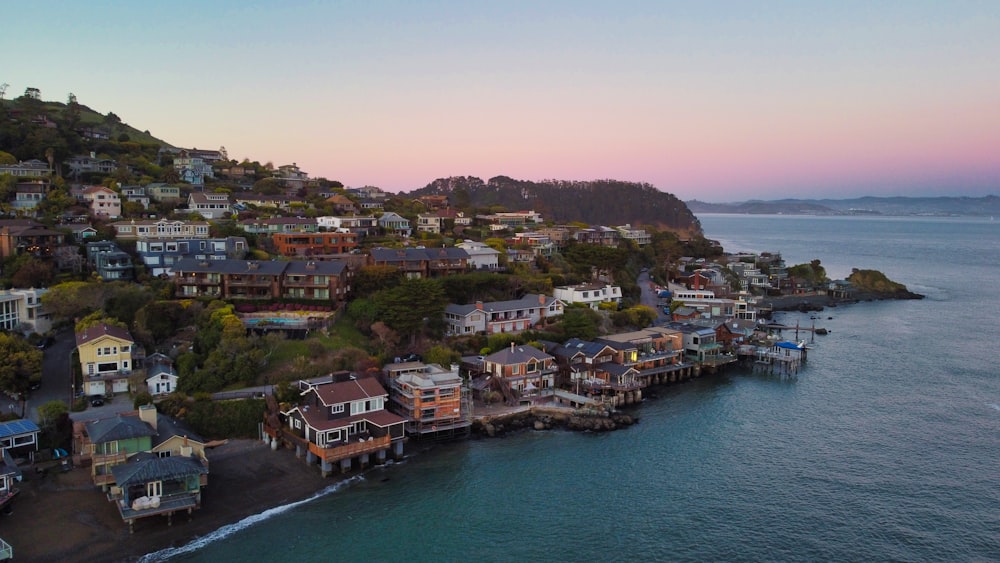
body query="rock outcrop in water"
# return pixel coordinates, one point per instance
(543, 418)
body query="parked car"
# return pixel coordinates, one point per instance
(97, 400)
(35, 385)
(45, 343)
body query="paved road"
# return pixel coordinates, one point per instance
(56, 375)
(57, 381)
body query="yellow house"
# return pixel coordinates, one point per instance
(105, 358)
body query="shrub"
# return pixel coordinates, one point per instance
(143, 398)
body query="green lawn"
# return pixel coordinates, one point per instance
(343, 335)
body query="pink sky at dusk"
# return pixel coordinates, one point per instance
(717, 101)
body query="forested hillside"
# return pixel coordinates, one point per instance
(598, 202)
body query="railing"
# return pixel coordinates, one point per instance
(6, 551)
(253, 283)
(351, 449)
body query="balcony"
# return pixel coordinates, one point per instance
(351, 448)
(250, 282)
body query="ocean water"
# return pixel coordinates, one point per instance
(885, 447)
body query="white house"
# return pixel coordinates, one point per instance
(161, 379)
(481, 256)
(210, 205)
(501, 316)
(104, 202)
(592, 294)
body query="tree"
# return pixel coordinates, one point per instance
(20, 364)
(73, 299)
(49, 413)
(442, 356)
(7, 159)
(143, 398)
(410, 306)
(97, 318)
(370, 279)
(580, 322)
(268, 186)
(28, 271)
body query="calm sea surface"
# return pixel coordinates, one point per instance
(886, 447)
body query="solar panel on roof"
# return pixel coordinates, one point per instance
(14, 427)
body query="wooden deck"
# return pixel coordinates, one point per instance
(168, 505)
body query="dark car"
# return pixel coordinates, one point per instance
(45, 343)
(35, 385)
(97, 400)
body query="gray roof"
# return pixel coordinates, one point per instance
(575, 345)
(118, 428)
(410, 254)
(529, 301)
(143, 468)
(170, 427)
(318, 267)
(260, 267)
(517, 355)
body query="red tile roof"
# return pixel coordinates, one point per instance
(351, 390)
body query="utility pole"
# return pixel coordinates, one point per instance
(3, 90)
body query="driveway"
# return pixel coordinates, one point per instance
(57, 377)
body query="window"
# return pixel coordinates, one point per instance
(163, 454)
(338, 408)
(154, 489)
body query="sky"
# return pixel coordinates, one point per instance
(712, 100)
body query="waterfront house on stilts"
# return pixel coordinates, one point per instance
(341, 419)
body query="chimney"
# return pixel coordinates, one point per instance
(147, 414)
(479, 305)
(541, 299)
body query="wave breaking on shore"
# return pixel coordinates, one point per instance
(230, 529)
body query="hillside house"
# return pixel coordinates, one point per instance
(497, 317)
(104, 203)
(106, 359)
(136, 229)
(210, 205)
(590, 294)
(422, 262)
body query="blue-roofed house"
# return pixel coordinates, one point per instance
(111, 441)
(166, 479)
(19, 435)
(150, 485)
(10, 474)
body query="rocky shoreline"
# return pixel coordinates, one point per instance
(819, 301)
(548, 418)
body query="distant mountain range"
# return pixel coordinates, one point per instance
(943, 206)
(597, 202)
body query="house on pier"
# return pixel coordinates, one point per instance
(436, 402)
(591, 371)
(341, 419)
(524, 373)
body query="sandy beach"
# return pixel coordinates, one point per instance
(64, 517)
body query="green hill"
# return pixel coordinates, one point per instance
(31, 127)
(599, 202)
